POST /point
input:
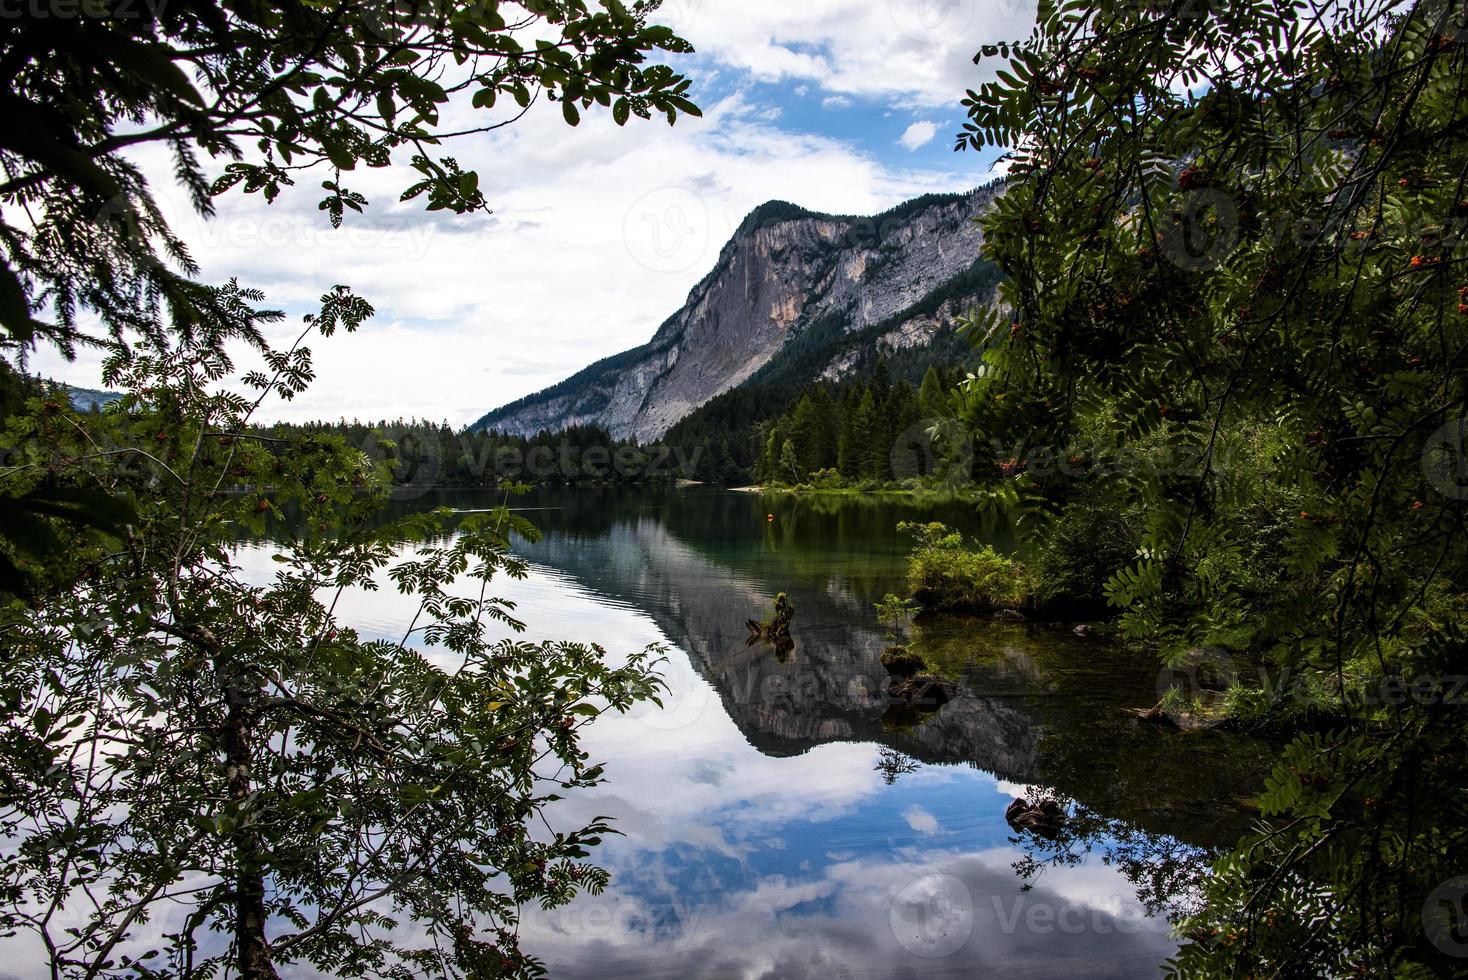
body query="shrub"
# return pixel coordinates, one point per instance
(827, 479)
(1086, 545)
(945, 573)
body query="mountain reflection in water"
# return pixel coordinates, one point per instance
(779, 820)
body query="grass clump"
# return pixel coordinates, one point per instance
(899, 661)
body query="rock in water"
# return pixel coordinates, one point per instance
(921, 691)
(1044, 819)
(898, 661)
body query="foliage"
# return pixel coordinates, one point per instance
(1083, 548)
(180, 735)
(273, 90)
(1233, 232)
(897, 612)
(850, 436)
(425, 455)
(205, 773)
(943, 572)
(722, 437)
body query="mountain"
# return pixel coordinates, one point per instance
(86, 399)
(795, 296)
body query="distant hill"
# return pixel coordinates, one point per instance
(85, 399)
(795, 297)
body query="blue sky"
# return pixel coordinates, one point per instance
(865, 123)
(599, 232)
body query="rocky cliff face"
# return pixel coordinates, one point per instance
(783, 271)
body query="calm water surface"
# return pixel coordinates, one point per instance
(781, 820)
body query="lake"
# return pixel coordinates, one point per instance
(779, 818)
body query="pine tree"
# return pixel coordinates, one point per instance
(932, 396)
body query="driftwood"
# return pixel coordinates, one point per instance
(776, 629)
(1154, 713)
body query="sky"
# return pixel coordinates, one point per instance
(598, 233)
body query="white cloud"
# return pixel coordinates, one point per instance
(598, 234)
(836, 102)
(918, 50)
(918, 135)
(921, 820)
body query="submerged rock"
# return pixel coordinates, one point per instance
(922, 691)
(1009, 616)
(1084, 630)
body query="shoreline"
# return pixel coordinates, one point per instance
(914, 493)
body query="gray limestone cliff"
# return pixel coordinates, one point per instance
(783, 271)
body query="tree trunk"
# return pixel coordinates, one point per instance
(254, 959)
